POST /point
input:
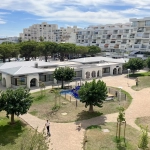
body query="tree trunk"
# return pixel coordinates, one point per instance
(3, 59)
(45, 58)
(9, 59)
(91, 108)
(12, 118)
(62, 83)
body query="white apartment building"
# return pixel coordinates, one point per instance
(49, 32)
(130, 38)
(108, 37)
(9, 39)
(140, 37)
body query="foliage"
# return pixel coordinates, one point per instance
(143, 142)
(93, 94)
(47, 48)
(42, 86)
(15, 102)
(57, 94)
(135, 64)
(142, 74)
(121, 116)
(148, 62)
(93, 49)
(64, 74)
(35, 141)
(28, 49)
(65, 48)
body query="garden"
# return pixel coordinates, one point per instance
(59, 108)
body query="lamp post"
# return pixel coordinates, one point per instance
(120, 88)
(128, 75)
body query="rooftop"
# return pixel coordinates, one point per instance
(99, 59)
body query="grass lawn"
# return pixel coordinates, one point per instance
(140, 74)
(10, 135)
(144, 121)
(143, 83)
(42, 108)
(96, 139)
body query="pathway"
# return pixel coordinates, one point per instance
(65, 136)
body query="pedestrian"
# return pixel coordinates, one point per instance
(47, 124)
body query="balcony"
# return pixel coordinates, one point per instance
(140, 30)
(123, 42)
(116, 46)
(106, 45)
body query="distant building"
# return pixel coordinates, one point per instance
(49, 32)
(9, 39)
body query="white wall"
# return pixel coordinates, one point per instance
(7, 79)
(30, 77)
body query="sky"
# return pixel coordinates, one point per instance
(15, 15)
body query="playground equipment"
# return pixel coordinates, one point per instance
(75, 92)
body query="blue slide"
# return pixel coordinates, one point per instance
(75, 92)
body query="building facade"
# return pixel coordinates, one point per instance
(49, 32)
(9, 39)
(31, 73)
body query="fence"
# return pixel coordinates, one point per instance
(116, 93)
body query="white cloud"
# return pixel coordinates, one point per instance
(2, 21)
(70, 11)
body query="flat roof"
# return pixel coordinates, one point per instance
(99, 59)
(32, 64)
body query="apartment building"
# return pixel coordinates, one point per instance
(109, 37)
(49, 32)
(140, 37)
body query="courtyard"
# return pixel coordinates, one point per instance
(64, 133)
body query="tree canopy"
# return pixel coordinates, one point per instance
(64, 74)
(93, 50)
(15, 102)
(148, 62)
(135, 64)
(93, 93)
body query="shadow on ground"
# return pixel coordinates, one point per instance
(96, 119)
(9, 133)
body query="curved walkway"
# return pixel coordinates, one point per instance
(66, 136)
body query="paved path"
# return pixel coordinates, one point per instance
(65, 136)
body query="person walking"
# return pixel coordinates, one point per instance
(47, 124)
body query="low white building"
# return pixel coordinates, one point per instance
(30, 73)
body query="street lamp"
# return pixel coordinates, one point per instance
(128, 76)
(120, 88)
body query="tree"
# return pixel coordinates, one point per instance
(4, 51)
(135, 64)
(144, 139)
(81, 50)
(28, 49)
(15, 102)
(120, 120)
(41, 39)
(64, 74)
(33, 140)
(93, 49)
(93, 94)
(65, 48)
(47, 48)
(20, 39)
(148, 62)
(42, 87)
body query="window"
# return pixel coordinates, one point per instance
(134, 24)
(49, 77)
(147, 23)
(78, 73)
(18, 81)
(42, 78)
(106, 70)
